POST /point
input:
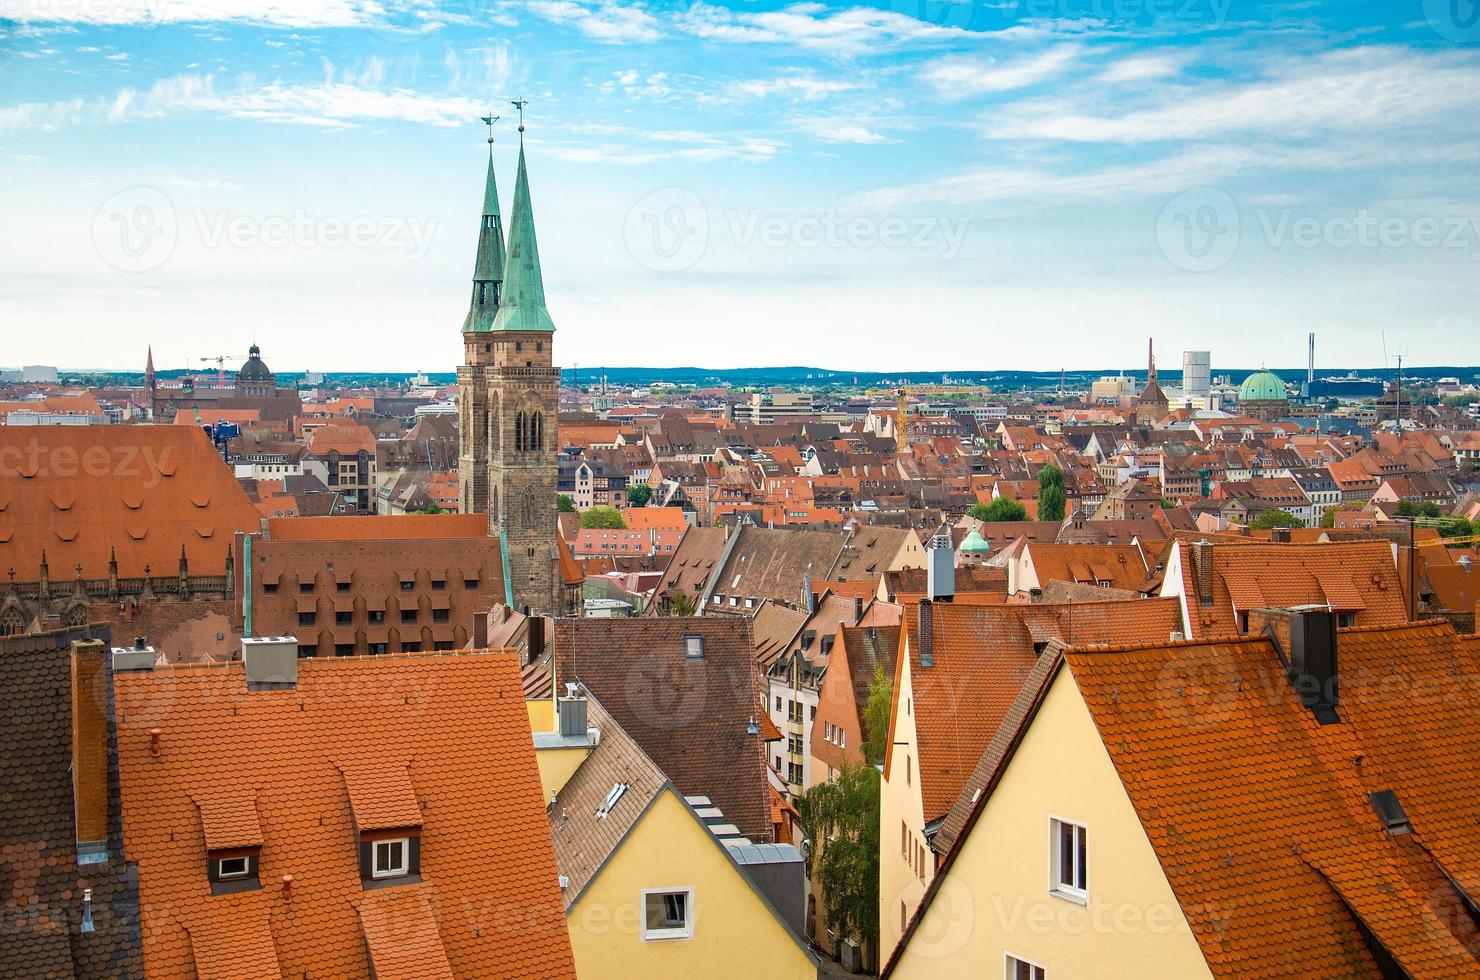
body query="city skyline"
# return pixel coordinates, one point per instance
(903, 187)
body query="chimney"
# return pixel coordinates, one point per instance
(480, 631)
(857, 609)
(573, 713)
(140, 656)
(809, 601)
(1202, 571)
(271, 662)
(1280, 535)
(536, 639)
(1313, 664)
(926, 633)
(940, 569)
(90, 684)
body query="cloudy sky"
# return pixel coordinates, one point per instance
(913, 184)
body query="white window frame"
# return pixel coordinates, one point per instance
(1010, 963)
(225, 875)
(664, 935)
(395, 872)
(1069, 891)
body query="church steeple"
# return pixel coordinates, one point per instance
(522, 306)
(488, 268)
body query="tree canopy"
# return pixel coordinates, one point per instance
(841, 819)
(1276, 518)
(564, 504)
(1051, 498)
(638, 495)
(1001, 509)
(875, 716)
(604, 518)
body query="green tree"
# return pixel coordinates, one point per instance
(1051, 498)
(605, 518)
(1001, 509)
(676, 604)
(875, 717)
(564, 504)
(1276, 518)
(841, 819)
(638, 495)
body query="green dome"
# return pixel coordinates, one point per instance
(974, 542)
(1262, 386)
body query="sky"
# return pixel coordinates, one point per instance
(912, 184)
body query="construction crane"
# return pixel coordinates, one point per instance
(220, 361)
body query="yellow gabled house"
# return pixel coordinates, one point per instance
(655, 884)
(1297, 802)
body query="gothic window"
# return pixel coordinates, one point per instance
(521, 433)
(529, 510)
(537, 432)
(12, 623)
(76, 616)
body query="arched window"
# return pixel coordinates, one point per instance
(521, 437)
(537, 432)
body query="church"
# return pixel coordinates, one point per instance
(509, 390)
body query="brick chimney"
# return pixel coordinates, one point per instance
(1202, 571)
(926, 633)
(90, 748)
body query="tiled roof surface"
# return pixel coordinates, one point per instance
(229, 821)
(1359, 576)
(380, 794)
(870, 649)
(239, 949)
(1262, 818)
(982, 655)
(456, 721)
(772, 563)
(40, 880)
(378, 528)
(401, 932)
(1119, 565)
(81, 493)
(584, 839)
(689, 715)
(699, 550)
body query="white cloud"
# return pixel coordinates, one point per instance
(814, 26)
(798, 85)
(961, 76)
(607, 21)
(1358, 90)
(1141, 68)
(292, 13)
(831, 130)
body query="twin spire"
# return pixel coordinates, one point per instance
(508, 289)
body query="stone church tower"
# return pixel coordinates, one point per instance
(509, 392)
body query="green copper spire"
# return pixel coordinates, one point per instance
(522, 306)
(488, 269)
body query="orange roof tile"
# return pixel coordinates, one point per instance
(401, 933)
(82, 493)
(1262, 817)
(458, 724)
(229, 821)
(236, 950)
(380, 795)
(378, 528)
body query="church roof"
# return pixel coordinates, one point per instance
(522, 306)
(254, 370)
(488, 267)
(1262, 386)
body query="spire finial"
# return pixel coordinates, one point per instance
(520, 104)
(490, 119)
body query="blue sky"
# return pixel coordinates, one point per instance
(918, 184)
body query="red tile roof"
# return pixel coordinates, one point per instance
(456, 726)
(378, 528)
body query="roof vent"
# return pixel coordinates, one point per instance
(271, 662)
(140, 656)
(940, 570)
(573, 714)
(1391, 812)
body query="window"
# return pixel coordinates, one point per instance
(343, 618)
(1020, 969)
(407, 584)
(390, 858)
(306, 618)
(377, 615)
(305, 588)
(408, 615)
(439, 585)
(693, 647)
(228, 868)
(1070, 876)
(344, 649)
(441, 615)
(270, 588)
(341, 586)
(667, 914)
(470, 584)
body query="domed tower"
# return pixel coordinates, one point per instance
(1263, 396)
(255, 380)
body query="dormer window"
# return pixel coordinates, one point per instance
(233, 867)
(391, 858)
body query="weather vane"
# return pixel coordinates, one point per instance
(520, 104)
(490, 120)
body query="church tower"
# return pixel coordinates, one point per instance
(510, 396)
